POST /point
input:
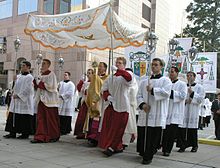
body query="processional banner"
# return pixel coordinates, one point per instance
(205, 68)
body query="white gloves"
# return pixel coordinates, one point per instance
(37, 80)
(83, 77)
(110, 98)
(114, 68)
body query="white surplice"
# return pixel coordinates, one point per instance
(192, 110)
(208, 106)
(158, 102)
(67, 102)
(132, 93)
(177, 104)
(50, 96)
(131, 127)
(118, 88)
(24, 88)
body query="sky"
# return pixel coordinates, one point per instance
(177, 15)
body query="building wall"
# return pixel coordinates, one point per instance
(75, 60)
(160, 23)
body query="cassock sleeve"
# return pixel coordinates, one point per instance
(163, 92)
(79, 85)
(26, 89)
(180, 95)
(69, 92)
(199, 95)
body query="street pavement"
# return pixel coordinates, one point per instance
(70, 153)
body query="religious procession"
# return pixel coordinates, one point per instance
(156, 102)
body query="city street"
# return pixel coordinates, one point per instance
(69, 152)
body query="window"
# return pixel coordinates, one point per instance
(116, 6)
(2, 71)
(146, 12)
(144, 26)
(3, 45)
(65, 6)
(6, 8)
(49, 6)
(26, 6)
(76, 5)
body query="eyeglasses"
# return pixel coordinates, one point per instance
(117, 62)
(154, 64)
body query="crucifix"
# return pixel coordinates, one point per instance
(202, 73)
(142, 67)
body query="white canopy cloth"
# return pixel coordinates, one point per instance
(89, 28)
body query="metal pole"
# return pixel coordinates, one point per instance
(17, 44)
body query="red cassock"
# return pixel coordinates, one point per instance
(81, 120)
(48, 125)
(114, 123)
(48, 122)
(113, 127)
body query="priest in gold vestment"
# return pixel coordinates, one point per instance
(95, 103)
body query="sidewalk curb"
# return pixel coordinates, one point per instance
(209, 142)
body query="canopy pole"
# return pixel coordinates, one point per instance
(111, 50)
(148, 74)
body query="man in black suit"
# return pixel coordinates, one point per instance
(216, 115)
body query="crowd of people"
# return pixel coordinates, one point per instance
(168, 109)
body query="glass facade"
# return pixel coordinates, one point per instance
(146, 12)
(65, 6)
(49, 6)
(26, 6)
(76, 5)
(6, 7)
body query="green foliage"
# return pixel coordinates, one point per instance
(202, 59)
(204, 17)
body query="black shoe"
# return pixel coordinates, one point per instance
(118, 151)
(194, 149)
(166, 154)
(54, 140)
(36, 141)
(10, 136)
(124, 146)
(146, 162)
(23, 136)
(154, 151)
(181, 150)
(141, 154)
(92, 143)
(108, 152)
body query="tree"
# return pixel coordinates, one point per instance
(204, 17)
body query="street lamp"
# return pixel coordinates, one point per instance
(192, 56)
(173, 44)
(60, 63)
(151, 42)
(38, 61)
(17, 44)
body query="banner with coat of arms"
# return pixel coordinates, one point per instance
(205, 68)
(137, 60)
